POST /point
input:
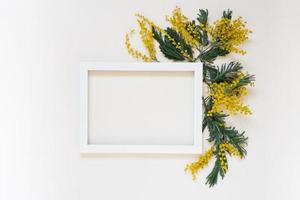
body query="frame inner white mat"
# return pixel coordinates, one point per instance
(141, 108)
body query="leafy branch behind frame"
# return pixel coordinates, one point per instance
(198, 40)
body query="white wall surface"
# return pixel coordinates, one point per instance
(41, 45)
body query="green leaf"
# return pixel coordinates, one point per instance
(238, 140)
(227, 72)
(204, 38)
(179, 39)
(202, 19)
(212, 70)
(212, 178)
(166, 47)
(246, 80)
(208, 72)
(169, 49)
(227, 14)
(211, 54)
(202, 16)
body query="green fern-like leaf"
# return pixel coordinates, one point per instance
(179, 39)
(212, 178)
(246, 80)
(237, 139)
(210, 55)
(169, 49)
(227, 72)
(202, 16)
(227, 14)
(209, 72)
(202, 19)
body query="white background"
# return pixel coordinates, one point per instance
(41, 44)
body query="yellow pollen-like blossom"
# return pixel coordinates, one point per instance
(192, 29)
(147, 38)
(202, 162)
(177, 45)
(232, 150)
(182, 24)
(222, 157)
(226, 96)
(133, 52)
(229, 33)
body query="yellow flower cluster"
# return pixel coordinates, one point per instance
(147, 21)
(202, 162)
(222, 157)
(133, 52)
(232, 150)
(226, 96)
(229, 33)
(192, 29)
(177, 45)
(147, 38)
(182, 24)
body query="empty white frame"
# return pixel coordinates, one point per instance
(141, 108)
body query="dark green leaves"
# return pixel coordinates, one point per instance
(202, 19)
(247, 79)
(202, 16)
(211, 54)
(218, 134)
(209, 71)
(238, 140)
(212, 178)
(227, 14)
(226, 72)
(169, 49)
(179, 39)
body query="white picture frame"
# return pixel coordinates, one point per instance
(87, 147)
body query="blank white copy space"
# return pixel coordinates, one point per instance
(141, 108)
